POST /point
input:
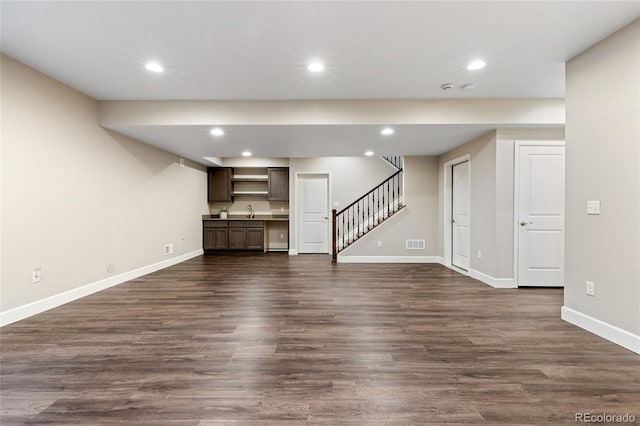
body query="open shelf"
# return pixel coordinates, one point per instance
(250, 178)
(250, 192)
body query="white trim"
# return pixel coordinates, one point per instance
(447, 206)
(39, 306)
(389, 259)
(456, 269)
(293, 252)
(493, 282)
(517, 144)
(600, 328)
(298, 210)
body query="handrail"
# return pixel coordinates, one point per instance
(395, 161)
(374, 188)
(367, 212)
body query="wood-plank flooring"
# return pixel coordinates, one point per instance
(253, 339)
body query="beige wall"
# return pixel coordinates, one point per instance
(418, 220)
(603, 163)
(482, 153)
(76, 197)
(350, 178)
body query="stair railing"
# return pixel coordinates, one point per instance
(367, 212)
(395, 161)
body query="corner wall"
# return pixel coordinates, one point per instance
(482, 152)
(603, 163)
(77, 198)
(418, 220)
(350, 178)
(492, 203)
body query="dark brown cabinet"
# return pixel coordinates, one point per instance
(219, 183)
(255, 238)
(278, 182)
(233, 235)
(237, 238)
(215, 236)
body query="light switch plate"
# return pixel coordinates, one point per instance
(593, 207)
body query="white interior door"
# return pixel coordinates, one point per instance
(541, 216)
(460, 218)
(314, 214)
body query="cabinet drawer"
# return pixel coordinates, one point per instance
(215, 223)
(246, 224)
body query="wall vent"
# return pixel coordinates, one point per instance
(415, 245)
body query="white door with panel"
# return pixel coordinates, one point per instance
(540, 216)
(460, 217)
(314, 214)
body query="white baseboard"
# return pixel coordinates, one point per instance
(389, 259)
(39, 306)
(293, 252)
(493, 282)
(600, 328)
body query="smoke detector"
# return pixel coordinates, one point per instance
(446, 87)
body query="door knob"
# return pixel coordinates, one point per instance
(523, 223)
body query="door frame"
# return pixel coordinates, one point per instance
(516, 197)
(448, 199)
(298, 209)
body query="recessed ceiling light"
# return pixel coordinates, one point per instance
(154, 67)
(217, 131)
(468, 86)
(386, 131)
(315, 66)
(446, 87)
(246, 153)
(476, 65)
(369, 153)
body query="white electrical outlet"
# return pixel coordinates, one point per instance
(36, 275)
(379, 243)
(282, 236)
(593, 207)
(168, 249)
(591, 288)
(182, 162)
(479, 254)
(181, 242)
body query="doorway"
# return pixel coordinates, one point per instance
(460, 217)
(313, 213)
(539, 214)
(457, 225)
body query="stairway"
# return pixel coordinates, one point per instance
(367, 212)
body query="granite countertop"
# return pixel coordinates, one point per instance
(244, 217)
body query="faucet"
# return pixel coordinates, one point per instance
(251, 214)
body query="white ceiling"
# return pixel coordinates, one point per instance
(259, 50)
(306, 140)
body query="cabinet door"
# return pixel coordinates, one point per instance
(209, 239)
(255, 238)
(219, 183)
(221, 239)
(278, 184)
(237, 238)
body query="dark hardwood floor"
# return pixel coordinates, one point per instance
(272, 339)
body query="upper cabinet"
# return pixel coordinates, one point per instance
(219, 183)
(271, 183)
(278, 184)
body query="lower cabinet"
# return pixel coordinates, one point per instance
(233, 235)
